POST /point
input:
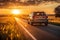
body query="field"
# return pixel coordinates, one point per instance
(8, 30)
(52, 18)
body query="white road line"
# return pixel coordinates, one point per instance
(18, 21)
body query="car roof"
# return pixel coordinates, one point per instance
(39, 12)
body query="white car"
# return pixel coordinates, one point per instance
(38, 17)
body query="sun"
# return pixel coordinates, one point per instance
(16, 11)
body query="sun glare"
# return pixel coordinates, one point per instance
(16, 11)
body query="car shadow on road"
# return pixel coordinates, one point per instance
(39, 26)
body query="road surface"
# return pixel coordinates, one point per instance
(50, 32)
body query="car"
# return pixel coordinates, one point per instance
(38, 17)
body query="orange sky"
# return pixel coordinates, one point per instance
(48, 8)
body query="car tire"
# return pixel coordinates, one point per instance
(46, 24)
(31, 23)
(28, 23)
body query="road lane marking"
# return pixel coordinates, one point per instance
(18, 21)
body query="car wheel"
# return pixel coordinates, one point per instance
(46, 24)
(28, 23)
(31, 23)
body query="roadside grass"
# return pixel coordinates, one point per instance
(54, 23)
(8, 31)
(54, 20)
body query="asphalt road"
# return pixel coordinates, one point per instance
(50, 32)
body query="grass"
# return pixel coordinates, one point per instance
(8, 31)
(54, 23)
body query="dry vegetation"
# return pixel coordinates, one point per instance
(54, 19)
(8, 30)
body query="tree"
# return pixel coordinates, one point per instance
(57, 11)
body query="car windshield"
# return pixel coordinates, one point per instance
(29, 19)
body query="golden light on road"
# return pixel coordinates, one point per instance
(16, 11)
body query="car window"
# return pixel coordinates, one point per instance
(39, 13)
(42, 14)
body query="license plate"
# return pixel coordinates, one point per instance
(39, 17)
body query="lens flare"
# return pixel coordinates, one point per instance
(16, 11)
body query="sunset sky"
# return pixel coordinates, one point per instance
(48, 8)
